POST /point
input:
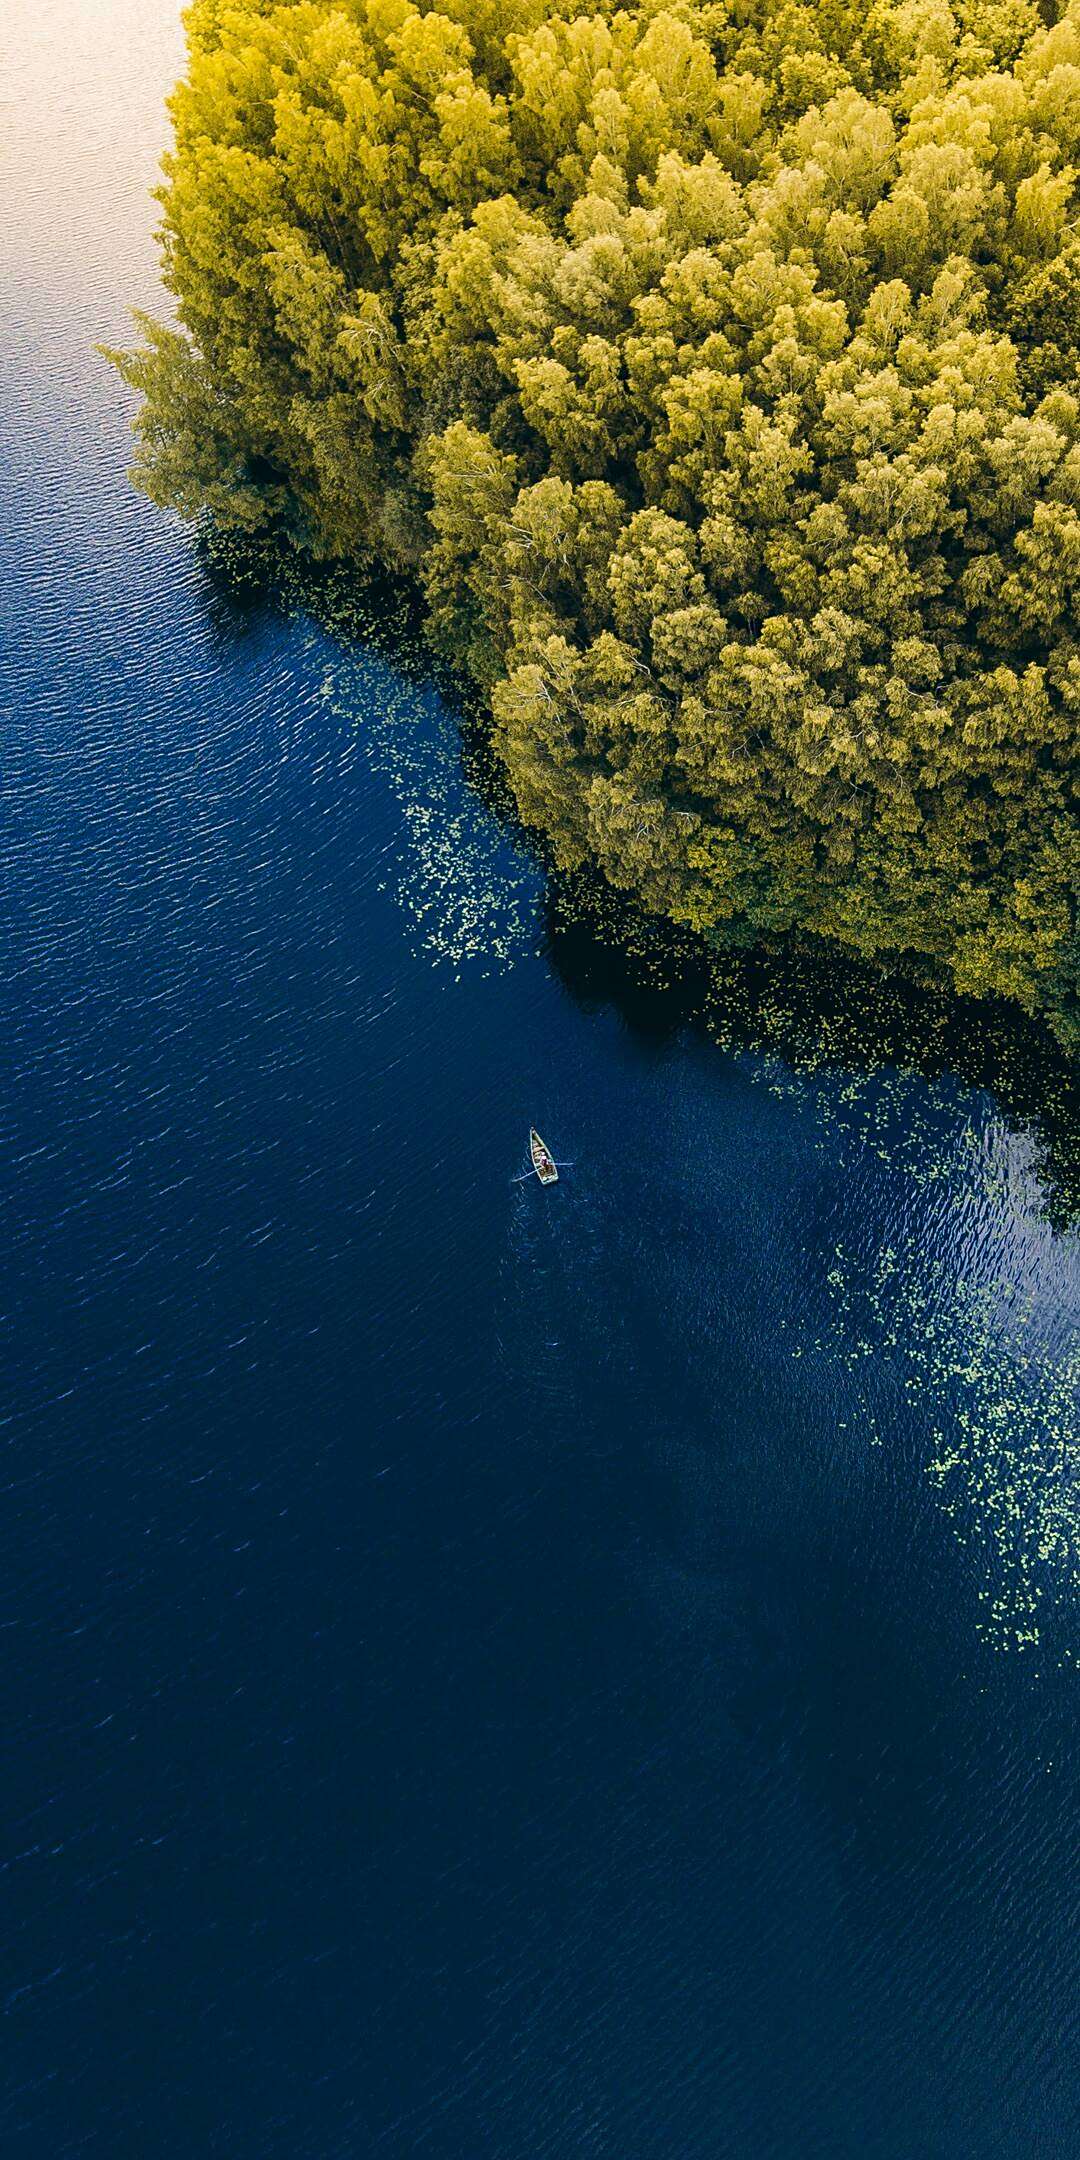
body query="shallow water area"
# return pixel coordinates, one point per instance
(490, 1672)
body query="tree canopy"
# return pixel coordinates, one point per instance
(713, 365)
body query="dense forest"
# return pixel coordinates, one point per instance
(713, 366)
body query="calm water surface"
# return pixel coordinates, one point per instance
(487, 1675)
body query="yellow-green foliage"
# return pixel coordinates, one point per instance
(714, 364)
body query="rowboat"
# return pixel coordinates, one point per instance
(543, 1161)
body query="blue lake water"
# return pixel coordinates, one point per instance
(488, 1675)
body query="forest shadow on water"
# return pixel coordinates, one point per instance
(818, 1011)
(812, 1006)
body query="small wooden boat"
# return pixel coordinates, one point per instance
(543, 1161)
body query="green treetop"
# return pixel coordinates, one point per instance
(714, 367)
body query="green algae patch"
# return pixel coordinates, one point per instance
(968, 1347)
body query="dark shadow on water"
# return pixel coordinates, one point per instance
(816, 1007)
(606, 952)
(820, 1010)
